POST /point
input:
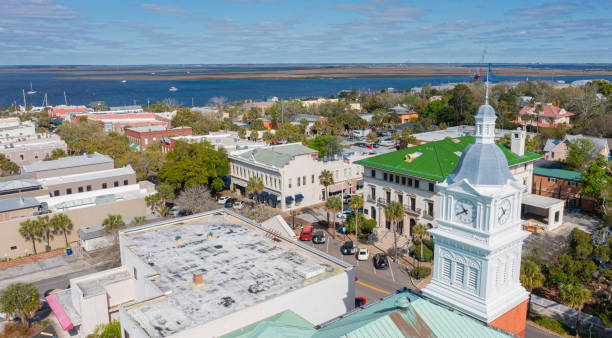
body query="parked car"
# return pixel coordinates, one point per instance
(230, 202)
(360, 301)
(347, 198)
(344, 214)
(381, 262)
(174, 211)
(306, 233)
(318, 237)
(348, 248)
(238, 205)
(387, 143)
(222, 199)
(363, 254)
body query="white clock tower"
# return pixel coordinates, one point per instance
(479, 238)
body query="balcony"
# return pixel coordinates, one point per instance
(412, 212)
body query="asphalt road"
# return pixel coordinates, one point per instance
(61, 282)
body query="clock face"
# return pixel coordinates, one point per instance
(503, 211)
(465, 211)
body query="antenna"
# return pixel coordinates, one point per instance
(487, 89)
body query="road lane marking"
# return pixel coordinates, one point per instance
(371, 287)
(391, 269)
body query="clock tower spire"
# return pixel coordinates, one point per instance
(479, 238)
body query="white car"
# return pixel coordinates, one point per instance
(344, 215)
(238, 205)
(387, 143)
(222, 199)
(363, 254)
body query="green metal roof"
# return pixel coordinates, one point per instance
(558, 173)
(283, 324)
(437, 160)
(422, 317)
(277, 156)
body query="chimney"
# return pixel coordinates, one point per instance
(197, 277)
(517, 141)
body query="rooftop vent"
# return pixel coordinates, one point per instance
(198, 278)
(412, 156)
(402, 303)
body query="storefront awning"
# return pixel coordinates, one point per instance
(299, 197)
(264, 193)
(288, 199)
(273, 198)
(59, 312)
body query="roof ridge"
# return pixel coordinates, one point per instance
(438, 159)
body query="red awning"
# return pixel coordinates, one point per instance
(60, 314)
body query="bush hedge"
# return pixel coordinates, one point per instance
(552, 324)
(421, 271)
(415, 251)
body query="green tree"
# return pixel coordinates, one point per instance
(7, 166)
(166, 192)
(254, 185)
(197, 163)
(63, 223)
(108, 330)
(269, 137)
(46, 230)
(421, 232)
(138, 220)
(217, 184)
(372, 138)
(597, 182)
(112, 223)
(356, 202)
(394, 212)
(531, 278)
(326, 178)
(30, 231)
(98, 106)
(325, 144)
(254, 135)
(574, 295)
(461, 100)
(333, 205)
(582, 152)
(304, 123)
(21, 298)
(242, 133)
(55, 154)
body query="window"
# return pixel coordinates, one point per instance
(473, 278)
(572, 183)
(410, 182)
(388, 195)
(459, 271)
(385, 176)
(289, 183)
(431, 186)
(403, 180)
(446, 268)
(312, 179)
(373, 173)
(396, 179)
(391, 178)
(14, 247)
(298, 181)
(552, 180)
(304, 180)
(104, 186)
(416, 183)
(116, 184)
(125, 182)
(135, 273)
(400, 198)
(68, 191)
(552, 154)
(89, 188)
(56, 193)
(412, 203)
(373, 193)
(557, 216)
(430, 209)
(373, 213)
(80, 189)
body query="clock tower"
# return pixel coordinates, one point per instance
(479, 237)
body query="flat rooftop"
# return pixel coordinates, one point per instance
(67, 162)
(241, 266)
(94, 175)
(96, 285)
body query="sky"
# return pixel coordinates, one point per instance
(118, 32)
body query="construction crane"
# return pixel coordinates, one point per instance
(478, 74)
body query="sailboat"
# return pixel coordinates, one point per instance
(31, 91)
(123, 81)
(173, 89)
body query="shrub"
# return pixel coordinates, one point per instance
(16, 330)
(421, 271)
(552, 324)
(415, 251)
(365, 225)
(606, 317)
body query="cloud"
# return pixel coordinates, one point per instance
(548, 10)
(164, 9)
(36, 9)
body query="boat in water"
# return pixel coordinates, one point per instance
(31, 91)
(123, 81)
(173, 89)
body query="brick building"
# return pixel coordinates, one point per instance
(142, 137)
(118, 122)
(564, 185)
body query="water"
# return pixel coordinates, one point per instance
(114, 92)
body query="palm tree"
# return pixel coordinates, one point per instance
(326, 178)
(356, 202)
(254, 185)
(333, 204)
(394, 212)
(43, 224)
(420, 231)
(575, 295)
(30, 231)
(112, 223)
(63, 223)
(531, 278)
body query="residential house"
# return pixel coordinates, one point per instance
(206, 275)
(564, 185)
(141, 137)
(544, 115)
(405, 113)
(290, 174)
(558, 150)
